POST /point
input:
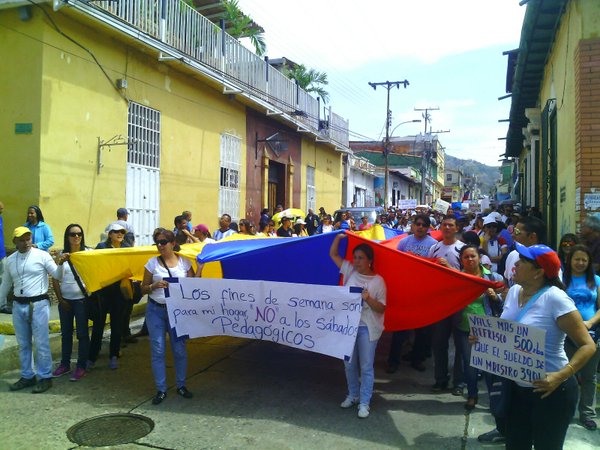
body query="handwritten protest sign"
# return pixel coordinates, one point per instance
(407, 204)
(322, 319)
(509, 349)
(441, 206)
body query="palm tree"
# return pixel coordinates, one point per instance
(240, 25)
(310, 80)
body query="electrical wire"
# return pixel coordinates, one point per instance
(69, 38)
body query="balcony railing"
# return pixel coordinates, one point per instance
(178, 25)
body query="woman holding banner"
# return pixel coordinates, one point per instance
(360, 273)
(166, 265)
(485, 305)
(539, 415)
(582, 287)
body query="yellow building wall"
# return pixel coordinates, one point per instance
(78, 104)
(20, 93)
(328, 174)
(580, 21)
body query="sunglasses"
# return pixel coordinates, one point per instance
(420, 224)
(162, 242)
(75, 234)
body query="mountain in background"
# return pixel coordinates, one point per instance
(487, 176)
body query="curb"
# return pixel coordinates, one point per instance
(9, 354)
(7, 328)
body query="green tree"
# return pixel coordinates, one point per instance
(310, 80)
(240, 25)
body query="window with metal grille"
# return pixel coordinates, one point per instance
(229, 185)
(143, 129)
(311, 191)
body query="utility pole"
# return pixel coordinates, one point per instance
(388, 119)
(427, 150)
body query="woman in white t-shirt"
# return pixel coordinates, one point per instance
(360, 273)
(167, 265)
(539, 413)
(72, 296)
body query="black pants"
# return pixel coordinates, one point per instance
(110, 301)
(441, 332)
(537, 422)
(421, 346)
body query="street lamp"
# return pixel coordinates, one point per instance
(386, 151)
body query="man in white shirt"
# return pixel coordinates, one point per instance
(446, 252)
(224, 229)
(529, 230)
(27, 271)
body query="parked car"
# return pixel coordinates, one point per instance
(357, 213)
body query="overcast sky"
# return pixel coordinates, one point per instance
(450, 51)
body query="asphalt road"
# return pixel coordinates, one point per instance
(249, 395)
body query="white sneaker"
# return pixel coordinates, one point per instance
(363, 411)
(348, 402)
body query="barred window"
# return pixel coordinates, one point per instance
(229, 184)
(311, 191)
(143, 129)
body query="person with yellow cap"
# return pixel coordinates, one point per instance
(27, 271)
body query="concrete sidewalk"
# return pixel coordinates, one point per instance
(253, 395)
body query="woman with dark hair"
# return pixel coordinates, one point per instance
(564, 247)
(245, 227)
(71, 293)
(485, 305)
(360, 273)
(110, 301)
(582, 286)
(41, 234)
(166, 265)
(539, 412)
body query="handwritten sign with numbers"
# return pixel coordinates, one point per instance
(322, 319)
(509, 349)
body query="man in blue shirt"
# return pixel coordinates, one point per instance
(418, 244)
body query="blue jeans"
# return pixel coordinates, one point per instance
(36, 329)
(77, 311)
(157, 321)
(470, 373)
(363, 356)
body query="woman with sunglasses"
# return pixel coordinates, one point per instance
(539, 412)
(582, 286)
(110, 301)
(71, 293)
(166, 265)
(564, 247)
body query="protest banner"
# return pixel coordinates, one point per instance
(407, 204)
(441, 206)
(508, 349)
(317, 318)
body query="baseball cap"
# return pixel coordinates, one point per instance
(115, 227)
(543, 256)
(122, 212)
(489, 219)
(201, 227)
(485, 260)
(20, 231)
(300, 222)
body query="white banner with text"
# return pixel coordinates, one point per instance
(317, 318)
(508, 349)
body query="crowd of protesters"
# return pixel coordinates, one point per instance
(504, 245)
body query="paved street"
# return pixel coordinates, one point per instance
(249, 395)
